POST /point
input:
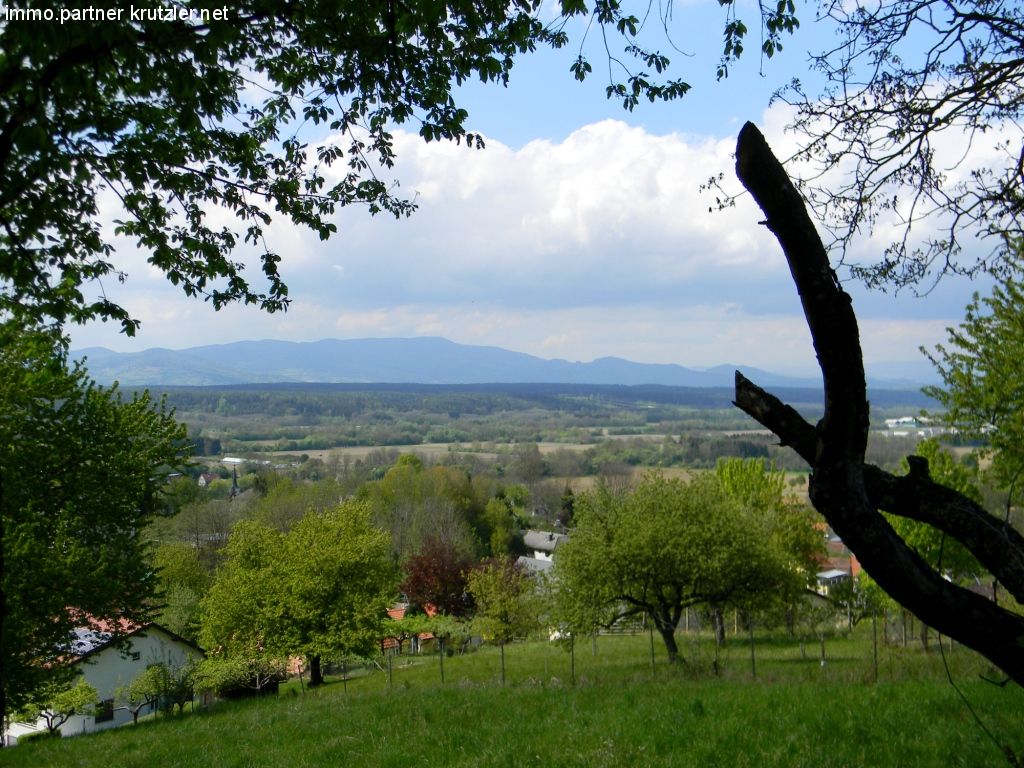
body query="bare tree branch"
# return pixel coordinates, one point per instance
(846, 491)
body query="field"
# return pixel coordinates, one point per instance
(622, 710)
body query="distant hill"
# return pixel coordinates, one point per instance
(425, 360)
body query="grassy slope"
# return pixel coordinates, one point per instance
(795, 713)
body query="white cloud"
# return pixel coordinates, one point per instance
(597, 245)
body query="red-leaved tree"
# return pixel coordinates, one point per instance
(436, 575)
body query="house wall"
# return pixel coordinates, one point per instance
(110, 669)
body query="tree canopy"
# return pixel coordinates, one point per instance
(158, 124)
(506, 600)
(321, 590)
(982, 370)
(81, 471)
(437, 575)
(660, 548)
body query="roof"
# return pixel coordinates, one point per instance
(97, 635)
(545, 541)
(534, 564)
(833, 573)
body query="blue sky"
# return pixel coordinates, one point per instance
(578, 233)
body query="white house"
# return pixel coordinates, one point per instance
(108, 667)
(543, 543)
(827, 580)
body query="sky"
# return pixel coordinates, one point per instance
(580, 232)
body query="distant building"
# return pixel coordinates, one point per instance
(830, 579)
(534, 564)
(207, 478)
(543, 543)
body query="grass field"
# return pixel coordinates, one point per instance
(622, 711)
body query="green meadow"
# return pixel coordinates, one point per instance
(606, 704)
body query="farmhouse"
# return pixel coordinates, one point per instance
(108, 665)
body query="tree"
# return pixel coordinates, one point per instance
(286, 501)
(81, 472)
(851, 494)
(946, 554)
(658, 549)
(921, 110)
(337, 580)
(500, 520)
(413, 504)
(183, 582)
(982, 370)
(56, 702)
(528, 464)
(507, 606)
(566, 507)
(438, 575)
(144, 691)
(236, 614)
(235, 675)
(789, 523)
(320, 590)
(790, 530)
(164, 685)
(178, 118)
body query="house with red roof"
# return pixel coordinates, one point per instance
(110, 660)
(393, 643)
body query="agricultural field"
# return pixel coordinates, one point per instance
(609, 703)
(314, 419)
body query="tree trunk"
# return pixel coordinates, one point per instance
(316, 672)
(572, 658)
(718, 625)
(503, 662)
(753, 661)
(845, 490)
(3, 619)
(669, 636)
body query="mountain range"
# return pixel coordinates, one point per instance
(422, 360)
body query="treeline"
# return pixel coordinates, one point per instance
(703, 451)
(321, 416)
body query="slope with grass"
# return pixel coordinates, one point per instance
(623, 710)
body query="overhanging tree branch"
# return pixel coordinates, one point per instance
(997, 545)
(846, 491)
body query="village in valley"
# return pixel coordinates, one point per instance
(440, 514)
(577, 383)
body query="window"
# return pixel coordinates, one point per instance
(136, 656)
(105, 711)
